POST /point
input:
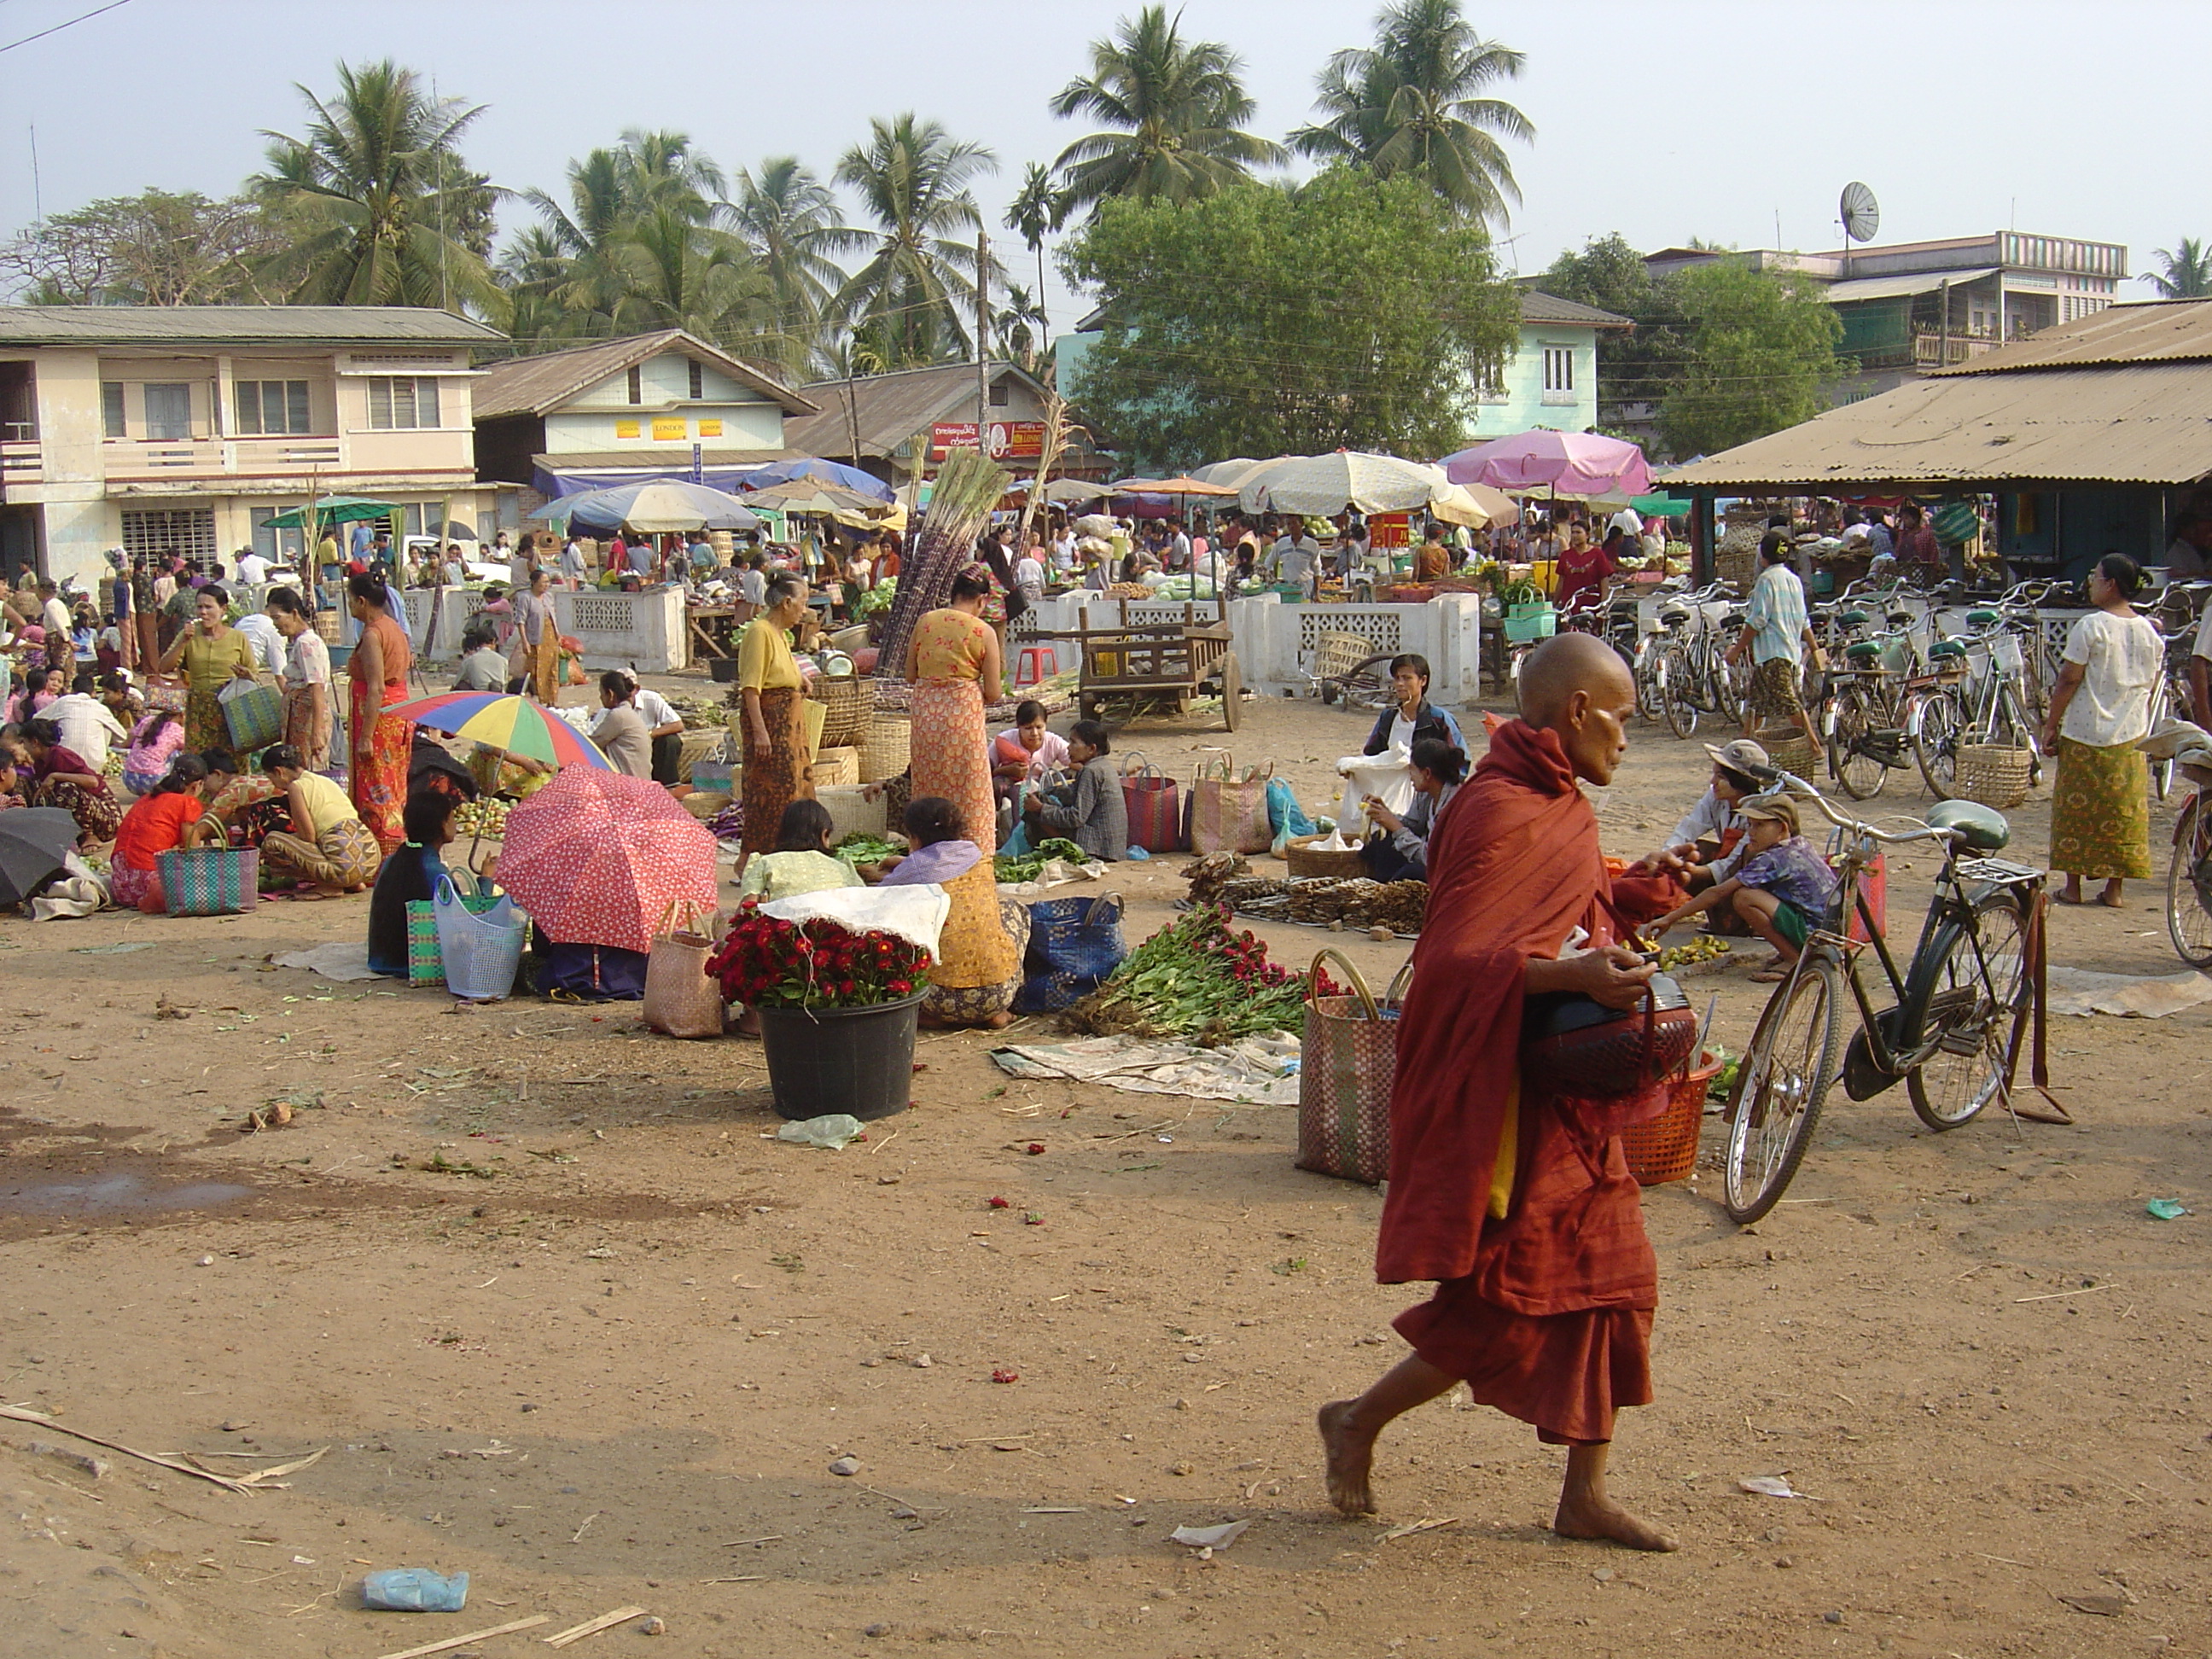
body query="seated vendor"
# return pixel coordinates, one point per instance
(170, 815)
(411, 873)
(1399, 850)
(1025, 751)
(1708, 845)
(1090, 811)
(1782, 890)
(327, 847)
(802, 862)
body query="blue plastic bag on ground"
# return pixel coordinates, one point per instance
(415, 1590)
(1284, 816)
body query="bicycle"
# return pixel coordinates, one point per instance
(1972, 699)
(1861, 712)
(1695, 678)
(2189, 877)
(1952, 1037)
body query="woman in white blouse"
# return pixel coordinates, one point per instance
(2100, 711)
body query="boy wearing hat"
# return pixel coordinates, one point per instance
(1709, 843)
(1782, 890)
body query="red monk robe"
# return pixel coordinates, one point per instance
(1545, 1300)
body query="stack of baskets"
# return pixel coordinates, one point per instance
(1993, 775)
(1789, 749)
(849, 705)
(699, 746)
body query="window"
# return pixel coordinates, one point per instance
(698, 386)
(168, 411)
(186, 531)
(636, 386)
(111, 409)
(273, 407)
(1558, 368)
(402, 402)
(998, 394)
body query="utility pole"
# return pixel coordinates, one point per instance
(982, 339)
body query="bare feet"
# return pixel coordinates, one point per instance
(1350, 1457)
(1601, 1518)
(997, 1022)
(2111, 899)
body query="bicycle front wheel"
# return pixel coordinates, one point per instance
(1857, 766)
(2188, 887)
(1674, 699)
(1968, 1005)
(1779, 1087)
(1936, 742)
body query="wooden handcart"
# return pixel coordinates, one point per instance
(1142, 665)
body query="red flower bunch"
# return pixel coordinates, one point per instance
(765, 961)
(1245, 954)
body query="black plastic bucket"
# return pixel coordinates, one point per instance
(858, 1060)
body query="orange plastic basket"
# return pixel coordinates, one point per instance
(1665, 1148)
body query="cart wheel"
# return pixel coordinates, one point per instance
(1232, 689)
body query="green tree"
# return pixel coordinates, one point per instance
(1358, 315)
(156, 248)
(376, 205)
(1637, 367)
(1176, 112)
(2183, 274)
(789, 218)
(668, 271)
(910, 298)
(1013, 321)
(1415, 103)
(1038, 209)
(1760, 352)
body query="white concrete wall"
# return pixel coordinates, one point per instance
(645, 631)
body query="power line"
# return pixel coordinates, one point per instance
(58, 27)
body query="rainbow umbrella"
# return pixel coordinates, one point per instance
(522, 726)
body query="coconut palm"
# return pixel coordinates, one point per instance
(913, 179)
(669, 272)
(1177, 109)
(379, 208)
(1414, 103)
(790, 220)
(1013, 321)
(2186, 273)
(1038, 208)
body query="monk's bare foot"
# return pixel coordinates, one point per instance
(1350, 1457)
(1584, 1518)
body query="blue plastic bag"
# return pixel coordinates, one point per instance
(1016, 845)
(415, 1590)
(1284, 816)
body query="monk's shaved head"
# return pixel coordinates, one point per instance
(1566, 664)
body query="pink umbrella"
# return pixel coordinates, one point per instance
(595, 858)
(1568, 463)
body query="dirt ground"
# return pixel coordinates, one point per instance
(563, 1318)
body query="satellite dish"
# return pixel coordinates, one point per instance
(1862, 215)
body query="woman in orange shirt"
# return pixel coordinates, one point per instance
(173, 815)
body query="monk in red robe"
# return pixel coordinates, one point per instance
(1519, 1206)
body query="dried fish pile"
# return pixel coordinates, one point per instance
(1207, 876)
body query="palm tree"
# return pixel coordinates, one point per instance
(533, 272)
(1013, 321)
(1038, 207)
(790, 219)
(1412, 103)
(671, 273)
(907, 301)
(380, 210)
(2187, 274)
(1178, 109)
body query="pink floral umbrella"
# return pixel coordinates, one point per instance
(597, 858)
(1566, 463)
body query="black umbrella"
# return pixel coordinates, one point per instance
(34, 840)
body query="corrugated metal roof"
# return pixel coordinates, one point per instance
(658, 460)
(24, 325)
(890, 409)
(1538, 306)
(2144, 422)
(539, 384)
(1894, 288)
(2141, 331)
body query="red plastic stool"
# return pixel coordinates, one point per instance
(1035, 663)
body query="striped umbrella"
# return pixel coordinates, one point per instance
(522, 726)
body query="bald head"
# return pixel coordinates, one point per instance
(1566, 664)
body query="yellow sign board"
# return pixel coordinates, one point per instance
(710, 429)
(670, 432)
(627, 430)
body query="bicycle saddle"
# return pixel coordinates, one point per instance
(1862, 651)
(1947, 648)
(1734, 619)
(1900, 619)
(1982, 827)
(1672, 614)
(1983, 619)
(1854, 619)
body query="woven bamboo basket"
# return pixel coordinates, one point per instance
(836, 766)
(698, 746)
(1305, 855)
(1789, 749)
(847, 702)
(703, 803)
(887, 749)
(327, 623)
(1665, 1148)
(850, 812)
(1994, 776)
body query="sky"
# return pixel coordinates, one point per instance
(1738, 121)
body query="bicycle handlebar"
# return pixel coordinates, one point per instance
(1798, 786)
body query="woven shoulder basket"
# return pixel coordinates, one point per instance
(849, 706)
(1993, 775)
(1350, 1057)
(886, 748)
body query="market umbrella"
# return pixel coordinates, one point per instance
(597, 858)
(1330, 483)
(1179, 486)
(522, 726)
(1474, 505)
(818, 495)
(653, 507)
(333, 509)
(813, 466)
(1228, 471)
(34, 841)
(1067, 492)
(1565, 463)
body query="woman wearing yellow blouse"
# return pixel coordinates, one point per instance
(328, 844)
(776, 762)
(212, 654)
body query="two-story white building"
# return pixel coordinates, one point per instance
(183, 429)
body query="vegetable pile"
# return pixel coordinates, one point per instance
(1194, 979)
(1029, 866)
(860, 847)
(486, 816)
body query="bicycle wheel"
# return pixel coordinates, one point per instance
(1861, 770)
(1935, 742)
(1645, 672)
(1367, 684)
(1971, 1015)
(1779, 1087)
(1674, 694)
(2188, 887)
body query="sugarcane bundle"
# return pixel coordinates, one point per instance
(968, 487)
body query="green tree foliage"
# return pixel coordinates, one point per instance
(1176, 111)
(1038, 208)
(1760, 353)
(2183, 274)
(375, 205)
(1352, 313)
(1634, 367)
(909, 300)
(1415, 102)
(156, 248)
(790, 220)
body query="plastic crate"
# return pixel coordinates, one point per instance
(1524, 622)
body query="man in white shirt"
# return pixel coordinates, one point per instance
(88, 726)
(572, 562)
(252, 568)
(1626, 522)
(268, 643)
(51, 611)
(1180, 552)
(1029, 576)
(1294, 556)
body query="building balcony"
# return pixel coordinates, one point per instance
(1931, 351)
(167, 459)
(20, 463)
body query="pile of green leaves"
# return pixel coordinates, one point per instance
(1029, 866)
(859, 847)
(876, 599)
(1197, 980)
